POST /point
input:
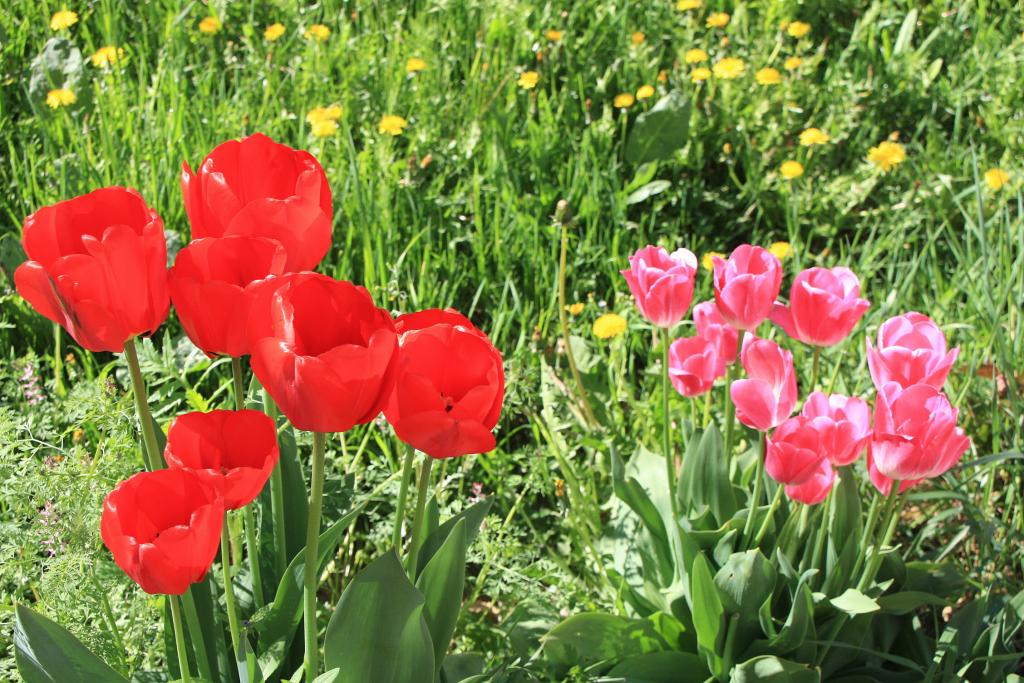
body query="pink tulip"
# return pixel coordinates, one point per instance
(824, 306)
(693, 365)
(850, 429)
(816, 489)
(795, 450)
(746, 286)
(768, 395)
(911, 350)
(882, 482)
(915, 435)
(712, 326)
(662, 283)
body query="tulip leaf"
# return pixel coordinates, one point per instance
(296, 502)
(908, 601)
(669, 666)
(329, 677)
(853, 602)
(592, 637)
(745, 582)
(474, 516)
(378, 632)
(441, 583)
(658, 133)
(799, 627)
(46, 652)
(769, 669)
(704, 479)
(707, 610)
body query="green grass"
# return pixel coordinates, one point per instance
(472, 229)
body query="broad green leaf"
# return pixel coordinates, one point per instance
(908, 601)
(658, 133)
(585, 639)
(441, 583)
(629, 491)
(906, 32)
(706, 606)
(662, 667)
(853, 602)
(377, 632)
(769, 669)
(744, 583)
(649, 190)
(296, 493)
(704, 479)
(846, 519)
(331, 676)
(45, 652)
(473, 515)
(799, 626)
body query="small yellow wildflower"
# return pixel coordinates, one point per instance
(644, 92)
(792, 63)
(609, 325)
(576, 308)
(324, 128)
(781, 250)
(392, 125)
(887, 155)
(695, 56)
(687, 5)
(663, 76)
(414, 64)
(317, 32)
(554, 35)
(209, 25)
(61, 97)
(107, 55)
(329, 113)
(708, 259)
(273, 32)
(637, 37)
(791, 169)
(623, 100)
(528, 80)
(798, 29)
(730, 67)
(814, 136)
(996, 178)
(727, 148)
(768, 76)
(63, 19)
(700, 74)
(718, 20)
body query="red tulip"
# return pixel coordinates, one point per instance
(234, 451)
(850, 425)
(768, 395)
(824, 306)
(97, 267)
(662, 283)
(163, 529)
(882, 482)
(795, 450)
(911, 350)
(449, 386)
(694, 365)
(260, 188)
(915, 435)
(212, 284)
(746, 286)
(325, 353)
(816, 489)
(712, 326)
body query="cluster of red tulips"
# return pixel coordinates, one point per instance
(327, 356)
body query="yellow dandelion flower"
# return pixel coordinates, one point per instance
(273, 32)
(687, 5)
(700, 74)
(623, 100)
(729, 68)
(328, 113)
(644, 92)
(792, 63)
(707, 261)
(663, 76)
(61, 97)
(781, 250)
(414, 64)
(576, 308)
(209, 25)
(107, 55)
(609, 325)
(727, 148)
(717, 20)
(528, 80)
(798, 29)
(317, 32)
(637, 37)
(392, 125)
(554, 35)
(695, 56)
(768, 76)
(324, 128)
(63, 19)
(791, 169)
(814, 136)
(996, 178)
(887, 155)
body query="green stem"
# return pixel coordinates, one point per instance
(422, 486)
(151, 451)
(238, 382)
(229, 589)
(869, 529)
(821, 533)
(776, 499)
(730, 412)
(277, 499)
(179, 639)
(814, 367)
(312, 568)
(891, 517)
(196, 635)
(58, 361)
(403, 493)
(666, 431)
(563, 320)
(253, 550)
(755, 500)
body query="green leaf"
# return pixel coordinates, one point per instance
(906, 32)
(473, 515)
(630, 492)
(908, 601)
(799, 626)
(704, 479)
(441, 583)
(744, 583)
(12, 255)
(769, 669)
(592, 637)
(658, 133)
(706, 606)
(649, 190)
(853, 602)
(328, 677)
(296, 493)
(846, 519)
(662, 667)
(59, 65)
(47, 653)
(377, 632)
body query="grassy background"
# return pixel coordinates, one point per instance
(457, 211)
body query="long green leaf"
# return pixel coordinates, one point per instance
(46, 652)
(441, 583)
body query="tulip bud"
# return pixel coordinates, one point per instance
(662, 283)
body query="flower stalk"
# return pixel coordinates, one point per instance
(312, 568)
